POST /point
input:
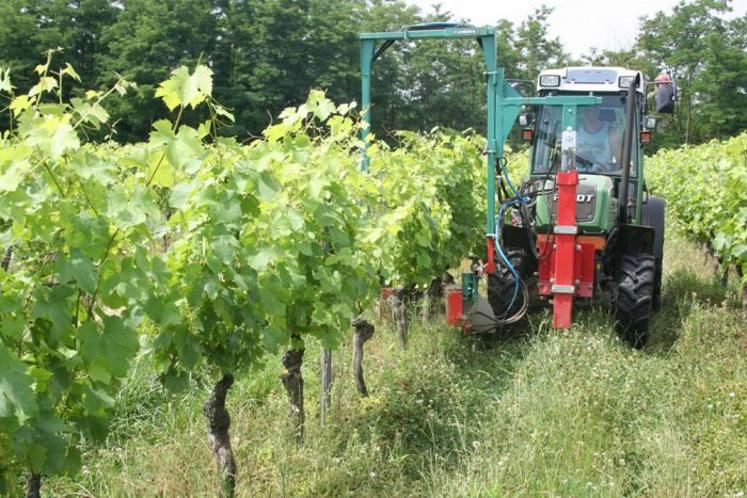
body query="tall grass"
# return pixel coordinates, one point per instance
(548, 413)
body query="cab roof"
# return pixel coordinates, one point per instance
(588, 79)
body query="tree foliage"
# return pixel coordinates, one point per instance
(266, 55)
(706, 54)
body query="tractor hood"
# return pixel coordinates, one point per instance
(595, 204)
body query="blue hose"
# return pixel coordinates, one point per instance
(516, 200)
(522, 199)
(501, 211)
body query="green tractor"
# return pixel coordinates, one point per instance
(615, 228)
(582, 227)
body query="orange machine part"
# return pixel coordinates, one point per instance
(597, 241)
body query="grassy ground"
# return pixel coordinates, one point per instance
(547, 413)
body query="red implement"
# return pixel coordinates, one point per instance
(454, 314)
(490, 266)
(586, 249)
(563, 280)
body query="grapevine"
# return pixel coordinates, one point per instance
(706, 190)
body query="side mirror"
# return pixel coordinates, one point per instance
(665, 95)
(525, 120)
(650, 122)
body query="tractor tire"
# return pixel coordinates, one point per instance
(501, 285)
(656, 297)
(653, 216)
(633, 305)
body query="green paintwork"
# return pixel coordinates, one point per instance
(424, 34)
(605, 207)
(469, 289)
(486, 37)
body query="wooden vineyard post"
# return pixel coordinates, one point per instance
(326, 383)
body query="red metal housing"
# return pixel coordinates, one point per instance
(490, 266)
(583, 266)
(454, 310)
(563, 278)
(568, 260)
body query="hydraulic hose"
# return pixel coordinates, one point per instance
(516, 316)
(520, 200)
(499, 247)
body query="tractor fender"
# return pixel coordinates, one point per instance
(648, 237)
(636, 239)
(653, 216)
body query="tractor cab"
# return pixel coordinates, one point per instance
(599, 130)
(599, 127)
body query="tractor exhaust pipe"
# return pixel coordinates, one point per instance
(627, 149)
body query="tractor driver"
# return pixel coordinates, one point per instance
(597, 142)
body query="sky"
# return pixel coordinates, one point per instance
(603, 24)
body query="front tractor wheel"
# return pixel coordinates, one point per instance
(635, 290)
(501, 286)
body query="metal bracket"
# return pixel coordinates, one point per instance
(563, 289)
(565, 229)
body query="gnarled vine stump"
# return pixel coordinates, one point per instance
(33, 485)
(362, 333)
(293, 382)
(218, 424)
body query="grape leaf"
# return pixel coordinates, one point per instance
(17, 398)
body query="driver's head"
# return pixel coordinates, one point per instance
(591, 118)
(590, 114)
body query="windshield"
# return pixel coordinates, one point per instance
(599, 137)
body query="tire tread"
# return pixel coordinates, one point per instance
(635, 297)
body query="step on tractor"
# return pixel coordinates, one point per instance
(582, 228)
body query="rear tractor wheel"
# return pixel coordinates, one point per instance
(635, 291)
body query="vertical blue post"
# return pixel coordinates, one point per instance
(367, 52)
(489, 52)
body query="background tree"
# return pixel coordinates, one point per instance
(266, 55)
(388, 87)
(721, 87)
(534, 48)
(443, 84)
(693, 42)
(145, 42)
(30, 27)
